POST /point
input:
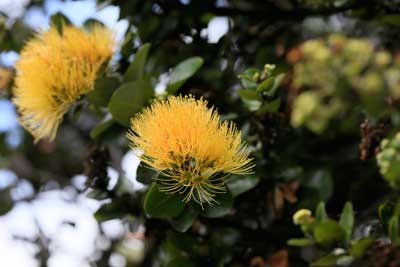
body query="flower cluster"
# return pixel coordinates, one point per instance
(190, 146)
(55, 69)
(389, 160)
(337, 73)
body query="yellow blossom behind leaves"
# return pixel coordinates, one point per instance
(54, 71)
(190, 146)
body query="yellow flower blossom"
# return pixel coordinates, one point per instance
(54, 71)
(302, 216)
(193, 150)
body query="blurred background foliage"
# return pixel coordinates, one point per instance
(314, 85)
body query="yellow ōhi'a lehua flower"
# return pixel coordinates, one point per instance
(54, 71)
(193, 150)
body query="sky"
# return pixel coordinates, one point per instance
(52, 212)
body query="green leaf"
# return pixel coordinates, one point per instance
(386, 212)
(265, 85)
(347, 222)
(239, 184)
(326, 261)
(271, 106)
(109, 211)
(103, 89)
(344, 260)
(270, 85)
(145, 174)
(59, 20)
(393, 230)
(248, 79)
(6, 201)
(182, 72)
(180, 262)
(135, 70)
(98, 194)
(277, 82)
(184, 221)
(328, 232)
(101, 128)
(251, 99)
(158, 204)
(222, 208)
(321, 180)
(249, 84)
(127, 45)
(129, 99)
(320, 212)
(300, 242)
(359, 248)
(90, 23)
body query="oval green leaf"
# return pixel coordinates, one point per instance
(129, 99)
(158, 204)
(135, 70)
(222, 208)
(182, 72)
(239, 184)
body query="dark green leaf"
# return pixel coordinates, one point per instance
(393, 229)
(182, 72)
(129, 99)
(358, 249)
(6, 201)
(103, 89)
(347, 222)
(101, 128)
(251, 99)
(386, 212)
(145, 174)
(109, 211)
(98, 194)
(320, 212)
(127, 45)
(300, 242)
(322, 181)
(222, 208)
(90, 23)
(158, 204)
(59, 20)
(186, 219)
(180, 262)
(271, 106)
(135, 70)
(239, 184)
